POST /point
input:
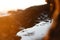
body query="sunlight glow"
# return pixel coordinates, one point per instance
(6, 5)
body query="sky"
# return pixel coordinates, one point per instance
(6, 5)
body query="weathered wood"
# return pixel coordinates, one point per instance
(54, 33)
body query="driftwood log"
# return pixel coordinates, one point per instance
(54, 32)
(10, 25)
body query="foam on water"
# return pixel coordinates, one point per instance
(36, 32)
